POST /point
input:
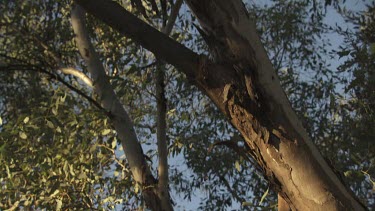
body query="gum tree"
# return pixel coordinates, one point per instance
(242, 83)
(72, 86)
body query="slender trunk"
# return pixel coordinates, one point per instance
(161, 136)
(163, 183)
(119, 117)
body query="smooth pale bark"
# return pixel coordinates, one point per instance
(61, 66)
(119, 117)
(78, 74)
(246, 89)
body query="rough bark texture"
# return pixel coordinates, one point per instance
(282, 205)
(244, 86)
(263, 114)
(119, 117)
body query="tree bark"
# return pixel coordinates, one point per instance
(282, 205)
(163, 183)
(119, 117)
(245, 87)
(281, 145)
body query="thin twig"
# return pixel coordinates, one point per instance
(55, 77)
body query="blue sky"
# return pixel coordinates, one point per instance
(332, 18)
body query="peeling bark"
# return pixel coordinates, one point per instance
(282, 205)
(245, 87)
(268, 123)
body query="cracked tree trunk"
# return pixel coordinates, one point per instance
(244, 86)
(282, 205)
(263, 114)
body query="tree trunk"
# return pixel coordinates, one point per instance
(119, 117)
(263, 114)
(245, 87)
(282, 205)
(161, 102)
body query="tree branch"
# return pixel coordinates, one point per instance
(160, 44)
(120, 119)
(172, 18)
(65, 70)
(55, 77)
(245, 87)
(233, 192)
(78, 74)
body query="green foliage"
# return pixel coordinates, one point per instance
(59, 151)
(358, 109)
(53, 155)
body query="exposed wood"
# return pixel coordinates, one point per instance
(289, 158)
(246, 89)
(282, 205)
